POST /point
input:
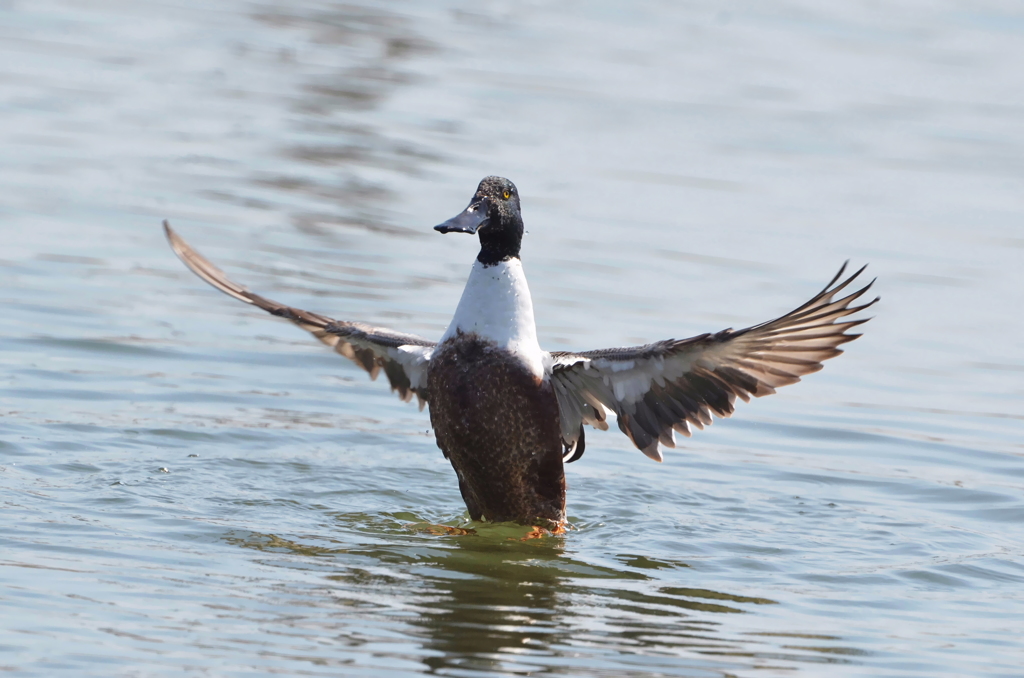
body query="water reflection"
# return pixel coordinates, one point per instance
(500, 604)
(490, 602)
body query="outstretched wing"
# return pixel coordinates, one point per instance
(402, 357)
(670, 385)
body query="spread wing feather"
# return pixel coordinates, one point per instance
(402, 357)
(674, 385)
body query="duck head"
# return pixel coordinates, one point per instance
(493, 215)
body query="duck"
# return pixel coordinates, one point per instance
(509, 415)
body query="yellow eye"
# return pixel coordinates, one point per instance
(506, 195)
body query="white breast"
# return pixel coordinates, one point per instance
(496, 305)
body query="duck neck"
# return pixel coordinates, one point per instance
(500, 244)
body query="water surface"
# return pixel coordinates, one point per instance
(188, 484)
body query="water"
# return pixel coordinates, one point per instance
(188, 484)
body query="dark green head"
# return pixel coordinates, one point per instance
(493, 214)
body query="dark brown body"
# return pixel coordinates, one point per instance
(498, 425)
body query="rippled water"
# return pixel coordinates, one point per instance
(187, 484)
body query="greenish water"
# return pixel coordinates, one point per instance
(186, 484)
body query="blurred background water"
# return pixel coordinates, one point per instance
(189, 485)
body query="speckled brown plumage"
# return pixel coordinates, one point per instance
(499, 427)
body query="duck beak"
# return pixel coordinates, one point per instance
(469, 221)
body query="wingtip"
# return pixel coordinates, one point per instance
(652, 452)
(173, 239)
(869, 304)
(839, 274)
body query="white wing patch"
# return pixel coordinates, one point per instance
(415, 361)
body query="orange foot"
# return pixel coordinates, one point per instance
(538, 532)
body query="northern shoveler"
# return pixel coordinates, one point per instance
(508, 414)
